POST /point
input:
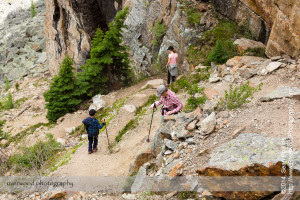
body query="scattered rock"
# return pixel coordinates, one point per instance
(139, 181)
(244, 44)
(154, 83)
(70, 130)
(129, 108)
(245, 61)
(169, 195)
(98, 103)
(168, 152)
(275, 58)
(129, 196)
(214, 78)
(171, 145)
(57, 195)
(177, 170)
(192, 125)
(140, 160)
(190, 141)
(209, 106)
(211, 93)
(281, 92)
(238, 131)
(157, 143)
(208, 124)
(273, 66)
(181, 133)
(84, 136)
(61, 140)
(165, 130)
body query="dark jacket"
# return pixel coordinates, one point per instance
(92, 126)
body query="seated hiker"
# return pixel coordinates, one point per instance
(92, 126)
(171, 103)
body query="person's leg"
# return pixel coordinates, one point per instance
(90, 143)
(173, 79)
(169, 78)
(95, 143)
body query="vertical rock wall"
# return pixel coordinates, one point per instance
(70, 25)
(274, 22)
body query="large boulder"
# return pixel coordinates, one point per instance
(243, 44)
(250, 154)
(208, 124)
(281, 92)
(98, 103)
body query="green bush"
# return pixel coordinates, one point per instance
(224, 31)
(223, 51)
(194, 16)
(8, 103)
(60, 98)
(17, 85)
(32, 9)
(35, 157)
(197, 97)
(237, 96)
(259, 52)
(7, 85)
(159, 30)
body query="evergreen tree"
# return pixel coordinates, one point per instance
(114, 55)
(218, 55)
(92, 80)
(60, 98)
(109, 60)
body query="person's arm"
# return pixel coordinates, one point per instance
(179, 106)
(100, 126)
(169, 60)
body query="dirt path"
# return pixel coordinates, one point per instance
(104, 163)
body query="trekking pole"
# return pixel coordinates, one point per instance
(106, 133)
(148, 140)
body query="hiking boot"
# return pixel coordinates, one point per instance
(90, 152)
(95, 149)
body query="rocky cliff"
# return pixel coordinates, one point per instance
(71, 24)
(274, 22)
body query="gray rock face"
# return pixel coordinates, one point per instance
(250, 148)
(281, 92)
(157, 144)
(19, 33)
(214, 78)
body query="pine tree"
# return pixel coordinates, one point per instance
(218, 55)
(109, 60)
(92, 80)
(114, 54)
(60, 98)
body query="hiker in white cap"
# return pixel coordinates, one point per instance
(171, 103)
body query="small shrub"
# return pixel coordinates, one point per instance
(17, 85)
(197, 97)
(32, 9)
(223, 51)
(35, 157)
(7, 85)
(8, 103)
(159, 30)
(194, 16)
(237, 96)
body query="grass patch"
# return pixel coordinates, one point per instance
(236, 97)
(35, 157)
(19, 102)
(187, 195)
(7, 85)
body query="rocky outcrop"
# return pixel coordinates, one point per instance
(71, 24)
(251, 154)
(273, 22)
(23, 44)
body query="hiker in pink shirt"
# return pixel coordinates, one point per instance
(172, 65)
